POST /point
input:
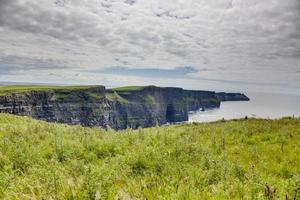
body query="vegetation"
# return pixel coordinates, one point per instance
(128, 88)
(114, 96)
(12, 89)
(242, 159)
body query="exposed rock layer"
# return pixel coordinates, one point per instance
(96, 106)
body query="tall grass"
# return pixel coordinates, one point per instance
(244, 159)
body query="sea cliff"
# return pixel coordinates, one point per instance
(120, 108)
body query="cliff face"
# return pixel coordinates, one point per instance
(222, 96)
(118, 109)
(87, 107)
(148, 107)
(200, 99)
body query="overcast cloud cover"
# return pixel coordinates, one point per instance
(244, 45)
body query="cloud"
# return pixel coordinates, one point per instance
(236, 40)
(178, 72)
(131, 2)
(14, 65)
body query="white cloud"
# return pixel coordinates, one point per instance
(237, 40)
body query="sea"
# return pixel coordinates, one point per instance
(261, 105)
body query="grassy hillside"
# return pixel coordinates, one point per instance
(12, 89)
(246, 159)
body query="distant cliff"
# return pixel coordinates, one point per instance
(128, 107)
(222, 96)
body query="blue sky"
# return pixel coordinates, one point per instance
(231, 45)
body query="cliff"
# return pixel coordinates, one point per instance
(86, 106)
(222, 96)
(148, 106)
(120, 108)
(196, 99)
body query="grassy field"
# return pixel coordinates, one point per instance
(244, 159)
(13, 89)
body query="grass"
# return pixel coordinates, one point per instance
(13, 89)
(116, 97)
(128, 88)
(243, 159)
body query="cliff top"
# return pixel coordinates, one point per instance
(138, 88)
(13, 89)
(128, 88)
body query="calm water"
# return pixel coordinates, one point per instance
(262, 105)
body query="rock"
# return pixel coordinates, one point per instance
(222, 96)
(118, 109)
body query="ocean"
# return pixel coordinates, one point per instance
(261, 105)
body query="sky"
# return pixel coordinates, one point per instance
(221, 45)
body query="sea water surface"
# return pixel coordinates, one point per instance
(261, 105)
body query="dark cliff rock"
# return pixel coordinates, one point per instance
(118, 109)
(149, 106)
(222, 96)
(201, 99)
(87, 107)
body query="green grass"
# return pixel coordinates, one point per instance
(128, 88)
(116, 97)
(13, 89)
(244, 159)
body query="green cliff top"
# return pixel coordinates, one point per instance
(116, 97)
(242, 159)
(13, 89)
(128, 88)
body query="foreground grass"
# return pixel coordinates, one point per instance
(13, 89)
(246, 159)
